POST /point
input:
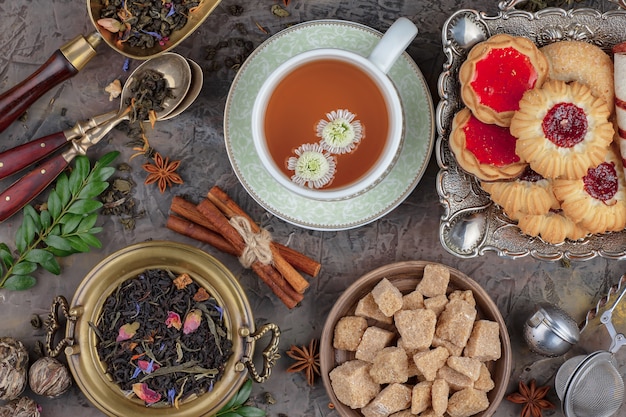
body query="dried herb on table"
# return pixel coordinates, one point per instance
(533, 399)
(64, 226)
(147, 23)
(159, 343)
(236, 406)
(307, 360)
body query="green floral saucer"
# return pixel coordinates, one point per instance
(327, 215)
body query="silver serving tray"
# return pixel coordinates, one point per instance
(459, 192)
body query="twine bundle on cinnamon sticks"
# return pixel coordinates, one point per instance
(220, 222)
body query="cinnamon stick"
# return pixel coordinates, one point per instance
(231, 209)
(267, 273)
(299, 261)
(195, 231)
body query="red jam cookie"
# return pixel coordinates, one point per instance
(497, 73)
(562, 129)
(597, 201)
(530, 193)
(484, 150)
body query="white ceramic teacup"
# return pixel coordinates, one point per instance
(369, 166)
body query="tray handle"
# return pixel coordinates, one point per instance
(53, 325)
(270, 353)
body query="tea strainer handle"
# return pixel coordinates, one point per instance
(270, 353)
(617, 339)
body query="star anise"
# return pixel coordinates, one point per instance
(163, 172)
(307, 360)
(532, 397)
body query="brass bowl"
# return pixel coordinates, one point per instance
(405, 276)
(80, 340)
(195, 20)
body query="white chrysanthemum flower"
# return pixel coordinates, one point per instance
(340, 133)
(313, 167)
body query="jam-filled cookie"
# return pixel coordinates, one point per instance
(553, 227)
(496, 74)
(530, 193)
(484, 150)
(598, 200)
(562, 129)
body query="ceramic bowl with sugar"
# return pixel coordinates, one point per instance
(405, 276)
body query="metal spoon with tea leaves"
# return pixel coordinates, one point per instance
(19, 157)
(174, 69)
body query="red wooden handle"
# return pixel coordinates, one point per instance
(15, 101)
(30, 186)
(18, 158)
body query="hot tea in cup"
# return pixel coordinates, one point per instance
(328, 123)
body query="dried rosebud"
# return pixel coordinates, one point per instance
(111, 24)
(13, 368)
(142, 391)
(49, 377)
(173, 320)
(192, 321)
(127, 331)
(21, 407)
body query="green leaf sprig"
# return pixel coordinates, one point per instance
(236, 408)
(66, 226)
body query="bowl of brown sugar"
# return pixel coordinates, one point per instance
(415, 337)
(162, 328)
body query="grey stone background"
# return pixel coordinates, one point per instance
(30, 30)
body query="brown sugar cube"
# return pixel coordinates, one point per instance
(421, 396)
(436, 304)
(456, 380)
(367, 307)
(352, 384)
(429, 362)
(390, 365)
(387, 297)
(412, 300)
(403, 413)
(429, 413)
(456, 322)
(394, 397)
(348, 332)
(467, 402)
(416, 327)
(466, 295)
(469, 367)
(411, 368)
(484, 341)
(373, 340)
(484, 381)
(452, 348)
(435, 280)
(440, 392)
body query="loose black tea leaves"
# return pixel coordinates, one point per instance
(149, 92)
(147, 23)
(161, 338)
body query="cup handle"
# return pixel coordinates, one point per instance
(397, 38)
(270, 353)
